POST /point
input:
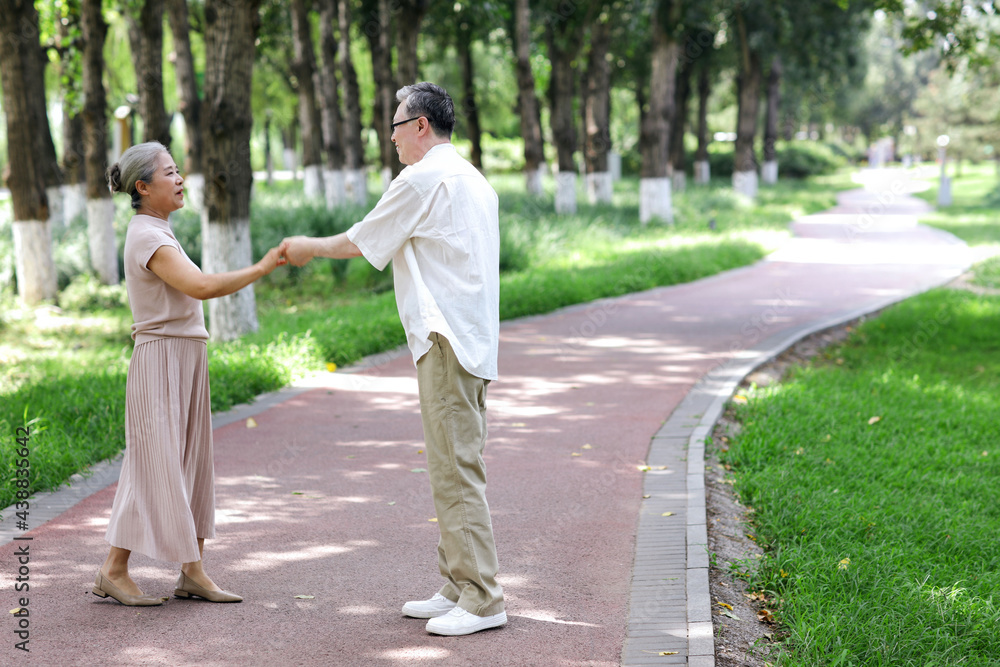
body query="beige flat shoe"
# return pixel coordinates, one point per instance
(186, 588)
(103, 588)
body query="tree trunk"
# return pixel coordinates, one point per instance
(355, 180)
(35, 271)
(333, 175)
(74, 175)
(46, 161)
(527, 100)
(411, 15)
(748, 85)
(376, 29)
(100, 209)
(230, 30)
(654, 181)
(682, 92)
(304, 69)
(146, 36)
(770, 172)
(597, 111)
(702, 172)
(188, 103)
(469, 110)
(564, 38)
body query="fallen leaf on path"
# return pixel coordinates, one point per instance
(15, 610)
(765, 616)
(519, 424)
(419, 470)
(724, 604)
(576, 454)
(739, 398)
(643, 468)
(251, 423)
(662, 652)
(392, 503)
(647, 496)
(434, 520)
(730, 614)
(305, 597)
(667, 514)
(588, 446)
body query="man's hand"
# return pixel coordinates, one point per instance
(299, 249)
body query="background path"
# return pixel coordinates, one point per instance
(326, 496)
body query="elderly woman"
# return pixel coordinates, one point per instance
(165, 503)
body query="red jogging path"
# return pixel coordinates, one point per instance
(324, 511)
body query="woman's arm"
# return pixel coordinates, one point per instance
(175, 270)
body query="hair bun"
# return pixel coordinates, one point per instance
(115, 178)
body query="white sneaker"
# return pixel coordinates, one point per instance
(461, 622)
(438, 605)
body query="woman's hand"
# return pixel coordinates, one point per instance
(274, 258)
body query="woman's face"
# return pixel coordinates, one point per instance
(165, 190)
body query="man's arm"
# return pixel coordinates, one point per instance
(301, 249)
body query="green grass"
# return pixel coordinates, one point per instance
(871, 473)
(65, 372)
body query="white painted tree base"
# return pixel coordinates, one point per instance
(615, 165)
(226, 247)
(678, 182)
(101, 234)
(566, 193)
(654, 200)
(194, 192)
(702, 172)
(356, 186)
(312, 181)
(33, 265)
(769, 172)
(745, 183)
(289, 160)
(57, 218)
(533, 182)
(333, 184)
(74, 202)
(600, 187)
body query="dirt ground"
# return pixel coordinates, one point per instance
(744, 637)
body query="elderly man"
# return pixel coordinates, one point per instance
(439, 224)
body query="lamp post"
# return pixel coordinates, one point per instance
(944, 190)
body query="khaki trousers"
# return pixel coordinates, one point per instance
(453, 410)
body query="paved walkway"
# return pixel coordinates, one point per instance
(324, 510)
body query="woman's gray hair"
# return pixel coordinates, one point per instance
(138, 163)
(431, 101)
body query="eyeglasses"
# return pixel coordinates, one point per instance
(392, 128)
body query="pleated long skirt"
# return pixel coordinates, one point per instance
(166, 492)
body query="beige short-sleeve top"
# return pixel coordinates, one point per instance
(158, 310)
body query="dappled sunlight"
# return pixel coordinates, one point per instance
(258, 560)
(360, 610)
(409, 654)
(368, 382)
(550, 617)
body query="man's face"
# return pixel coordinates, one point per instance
(404, 135)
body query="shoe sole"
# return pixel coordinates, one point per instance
(482, 625)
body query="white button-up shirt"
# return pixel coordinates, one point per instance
(439, 224)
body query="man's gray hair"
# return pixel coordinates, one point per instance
(431, 101)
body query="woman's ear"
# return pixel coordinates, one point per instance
(141, 187)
